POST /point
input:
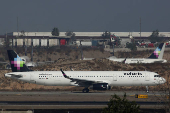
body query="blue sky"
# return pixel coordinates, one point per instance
(84, 15)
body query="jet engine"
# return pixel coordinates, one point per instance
(100, 86)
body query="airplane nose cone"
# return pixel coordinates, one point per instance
(165, 61)
(162, 80)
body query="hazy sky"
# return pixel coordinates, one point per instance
(84, 15)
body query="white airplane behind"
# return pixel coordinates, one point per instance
(27, 62)
(155, 57)
(98, 80)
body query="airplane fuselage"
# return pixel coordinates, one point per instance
(138, 60)
(113, 78)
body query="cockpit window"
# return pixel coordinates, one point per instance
(157, 76)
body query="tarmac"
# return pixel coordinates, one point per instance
(75, 99)
(77, 95)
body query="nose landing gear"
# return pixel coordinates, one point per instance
(147, 89)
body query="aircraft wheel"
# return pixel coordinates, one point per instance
(85, 90)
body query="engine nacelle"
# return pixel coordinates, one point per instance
(101, 86)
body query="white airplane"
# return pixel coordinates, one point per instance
(98, 80)
(27, 62)
(155, 57)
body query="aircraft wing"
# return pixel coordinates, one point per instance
(81, 82)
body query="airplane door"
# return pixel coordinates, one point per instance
(147, 77)
(74, 76)
(114, 77)
(32, 79)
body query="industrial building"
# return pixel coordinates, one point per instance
(90, 34)
(86, 38)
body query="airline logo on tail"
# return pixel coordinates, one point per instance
(18, 63)
(157, 52)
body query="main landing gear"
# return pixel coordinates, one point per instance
(85, 90)
(147, 89)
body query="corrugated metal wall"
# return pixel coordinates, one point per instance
(52, 42)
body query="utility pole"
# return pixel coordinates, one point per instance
(113, 49)
(6, 36)
(32, 50)
(140, 28)
(81, 50)
(17, 25)
(26, 45)
(6, 42)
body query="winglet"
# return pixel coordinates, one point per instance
(124, 60)
(64, 74)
